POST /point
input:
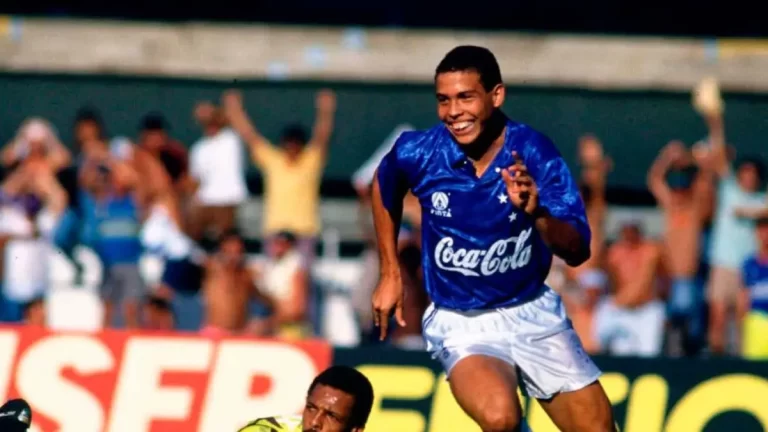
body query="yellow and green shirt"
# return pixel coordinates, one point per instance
(290, 423)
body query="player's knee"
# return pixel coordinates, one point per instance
(500, 420)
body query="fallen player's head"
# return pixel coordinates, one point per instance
(339, 400)
(469, 91)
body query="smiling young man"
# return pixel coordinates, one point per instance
(498, 201)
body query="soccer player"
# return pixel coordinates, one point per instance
(339, 400)
(498, 201)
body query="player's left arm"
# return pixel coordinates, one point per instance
(541, 184)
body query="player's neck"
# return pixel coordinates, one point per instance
(487, 145)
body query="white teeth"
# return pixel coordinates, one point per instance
(461, 126)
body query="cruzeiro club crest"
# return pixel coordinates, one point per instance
(440, 205)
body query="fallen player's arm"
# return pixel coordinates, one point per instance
(562, 237)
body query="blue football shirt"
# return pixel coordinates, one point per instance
(755, 273)
(478, 250)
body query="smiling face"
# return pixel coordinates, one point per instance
(464, 105)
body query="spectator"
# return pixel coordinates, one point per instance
(157, 314)
(37, 146)
(285, 279)
(292, 171)
(31, 200)
(216, 170)
(587, 283)
(631, 320)
(755, 297)
(88, 130)
(111, 224)
(154, 138)
(732, 237)
(672, 182)
(34, 312)
(228, 288)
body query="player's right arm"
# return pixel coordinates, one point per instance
(390, 185)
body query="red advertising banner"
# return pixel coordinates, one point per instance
(119, 381)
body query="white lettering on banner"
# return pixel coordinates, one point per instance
(493, 260)
(229, 402)
(39, 380)
(139, 397)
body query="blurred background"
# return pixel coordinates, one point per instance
(206, 169)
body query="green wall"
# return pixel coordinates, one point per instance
(633, 125)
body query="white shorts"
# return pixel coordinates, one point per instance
(536, 337)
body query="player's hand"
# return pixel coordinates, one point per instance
(521, 187)
(388, 299)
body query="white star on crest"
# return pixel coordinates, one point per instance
(512, 217)
(502, 198)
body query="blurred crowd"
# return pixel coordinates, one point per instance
(702, 287)
(124, 197)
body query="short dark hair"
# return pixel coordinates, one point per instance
(294, 133)
(153, 122)
(159, 303)
(757, 162)
(472, 58)
(352, 382)
(287, 236)
(230, 234)
(89, 114)
(26, 306)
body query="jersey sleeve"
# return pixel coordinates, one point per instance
(558, 192)
(397, 170)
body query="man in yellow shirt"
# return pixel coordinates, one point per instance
(292, 171)
(339, 400)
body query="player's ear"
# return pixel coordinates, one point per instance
(497, 95)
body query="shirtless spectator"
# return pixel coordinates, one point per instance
(228, 287)
(154, 138)
(585, 285)
(631, 320)
(292, 170)
(285, 279)
(672, 182)
(739, 189)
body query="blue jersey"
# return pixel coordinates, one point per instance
(111, 228)
(755, 273)
(478, 250)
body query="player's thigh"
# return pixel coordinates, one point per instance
(584, 410)
(486, 389)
